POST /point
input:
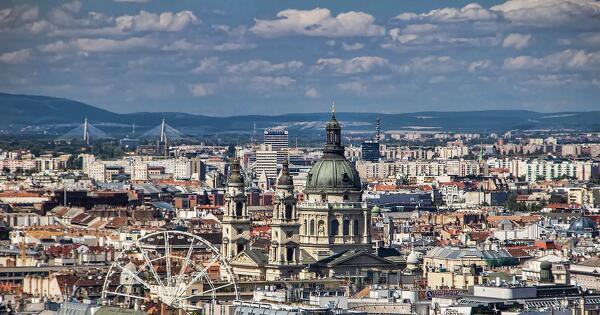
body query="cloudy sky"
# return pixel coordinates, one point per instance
(271, 57)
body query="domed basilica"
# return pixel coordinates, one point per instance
(327, 233)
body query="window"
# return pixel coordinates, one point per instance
(288, 211)
(312, 227)
(305, 227)
(346, 227)
(335, 226)
(240, 248)
(238, 208)
(290, 254)
(356, 228)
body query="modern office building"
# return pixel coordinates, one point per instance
(266, 161)
(370, 151)
(277, 139)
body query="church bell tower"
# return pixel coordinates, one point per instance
(284, 253)
(236, 221)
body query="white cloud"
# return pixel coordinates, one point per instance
(263, 66)
(147, 21)
(38, 27)
(397, 36)
(202, 89)
(431, 64)
(318, 22)
(350, 66)
(570, 13)
(19, 14)
(233, 46)
(30, 14)
(266, 81)
(112, 45)
(351, 47)
(479, 65)
(312, 93)
(74, 6)
(436, 38)
(517, 41)
(420, 28)
(14, 57)
(470, 12)
(565, 60)
(207, 65)
(55, 47)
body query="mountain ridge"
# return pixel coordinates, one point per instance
(21, 110)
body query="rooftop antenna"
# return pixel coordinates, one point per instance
(378, 129)
(86, 135)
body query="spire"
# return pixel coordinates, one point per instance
(333, 110)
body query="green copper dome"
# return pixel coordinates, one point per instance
(333, 173)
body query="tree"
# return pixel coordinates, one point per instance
(230, 151)
(5, 170)
(74, 163)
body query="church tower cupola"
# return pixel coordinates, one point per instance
(334, 135)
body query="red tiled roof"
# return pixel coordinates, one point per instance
(383, 187)
(518, 252)
(457, 184)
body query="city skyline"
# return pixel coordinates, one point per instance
(286, 57)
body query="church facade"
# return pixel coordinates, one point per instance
(326, 234)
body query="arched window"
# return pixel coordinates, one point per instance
(356, 228)
(312, 227)
(288, 211)
(346, 227)
(305, 227)
(290, 254)
(335, 226)
(240, 248)
(238, 208)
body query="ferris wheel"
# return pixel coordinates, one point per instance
(179, 269)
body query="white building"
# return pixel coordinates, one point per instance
(266, 161)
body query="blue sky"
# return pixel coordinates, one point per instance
(271, 57)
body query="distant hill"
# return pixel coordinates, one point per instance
(57, 114)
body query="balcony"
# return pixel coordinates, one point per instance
(332, 205)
